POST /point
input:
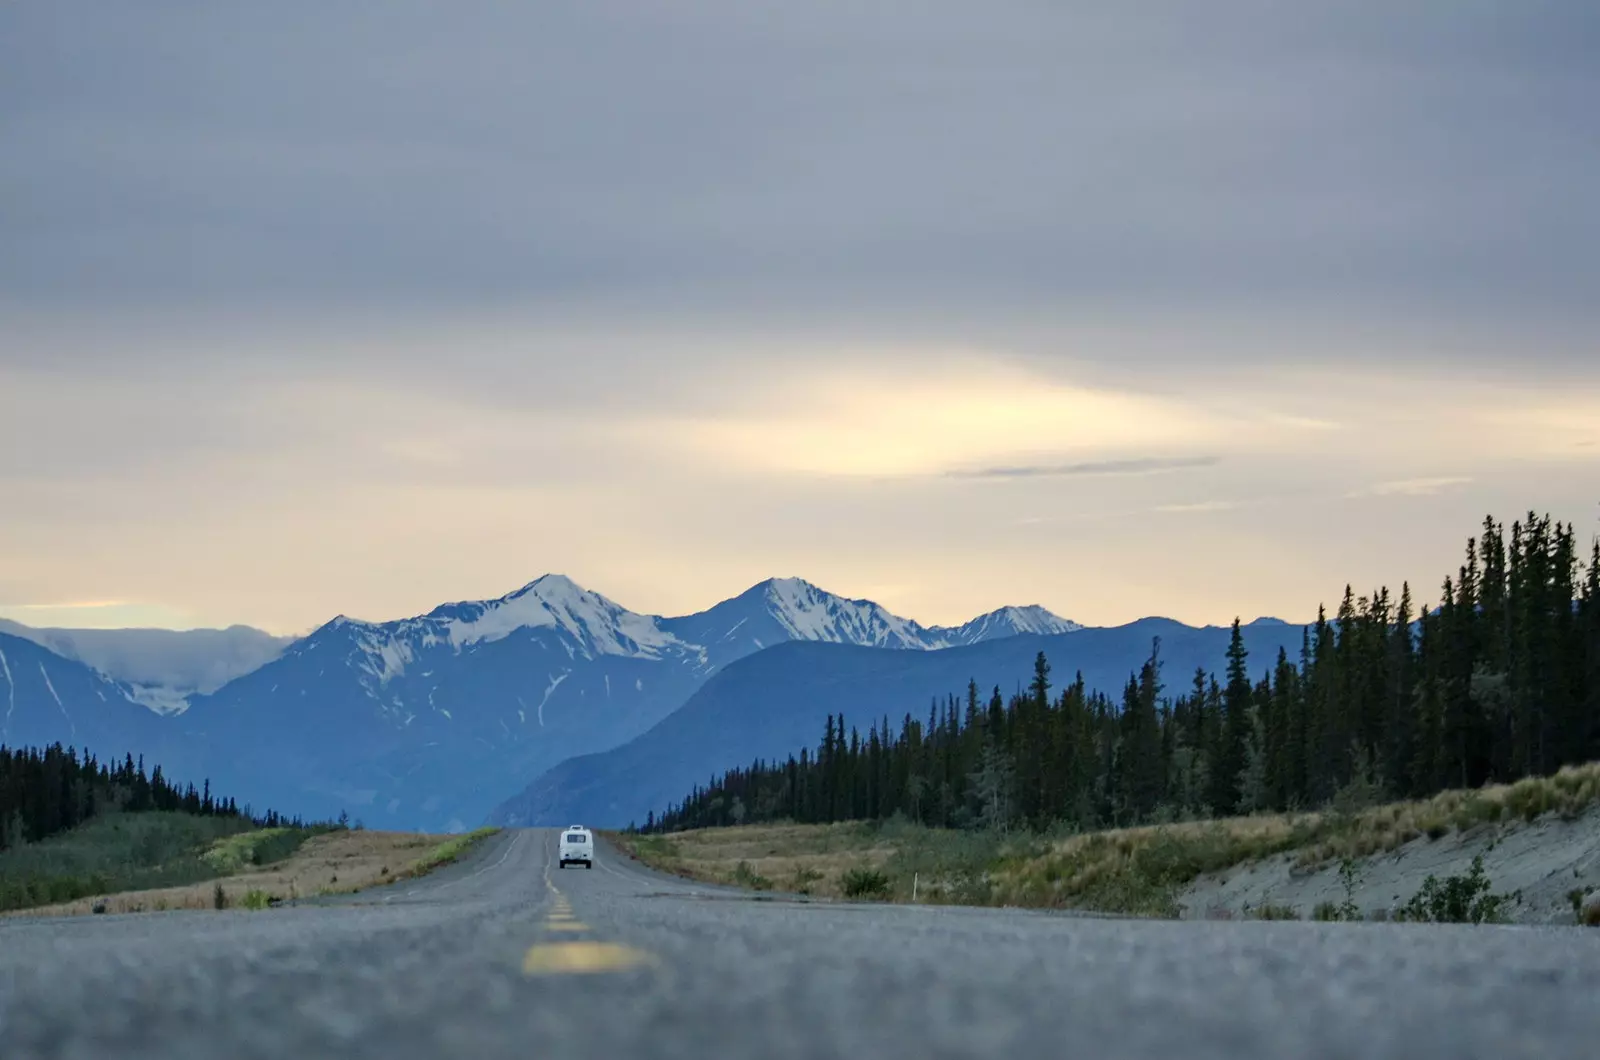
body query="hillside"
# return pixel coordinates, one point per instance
(46, 699)
(1538, 841)
(72, 825)
(772, 704)
(425, 722)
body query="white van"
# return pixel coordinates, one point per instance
(577, 844)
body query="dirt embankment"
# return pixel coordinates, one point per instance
(1543, 863)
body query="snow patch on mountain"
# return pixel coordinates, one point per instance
(556, 602)
(164, 701)
(809, 613)
(1008, 622)
(385, 656)
(555, 683)
(50, 685)
(11, 697)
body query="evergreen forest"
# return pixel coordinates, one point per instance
(1499, 680)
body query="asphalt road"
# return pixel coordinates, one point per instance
(506, 956)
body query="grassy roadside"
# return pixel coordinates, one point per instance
(126, 852)
(1140, 871)
(446, 853)
(260, 869)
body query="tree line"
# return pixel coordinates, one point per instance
(46, 792)
(1498, 681)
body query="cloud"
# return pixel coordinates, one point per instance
(1413, 487)
(856, 165)
(84, 605)
(673, 302)
(98, 614)
(1135, 466)
(1198, 506)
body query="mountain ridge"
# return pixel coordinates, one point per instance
(429, 721)
(772, 704)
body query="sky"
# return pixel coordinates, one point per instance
(1151, 308)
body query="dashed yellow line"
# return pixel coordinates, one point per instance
(583, 958)
(577, 957)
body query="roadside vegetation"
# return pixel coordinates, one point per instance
(1394, 725)
(448, 852)
(1142, 871)
(80, 835)
(333, 862)
(72, 826)
(137, 851)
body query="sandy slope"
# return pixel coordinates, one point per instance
(1545, 860)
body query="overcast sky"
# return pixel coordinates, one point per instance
(1199, 310)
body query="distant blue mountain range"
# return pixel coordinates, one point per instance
(773, 703)
(46, 698)
(430, 722)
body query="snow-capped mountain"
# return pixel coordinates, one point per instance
(774, 703)
(785, 609)
(428, 722)
(46, 698)
(1007, 622)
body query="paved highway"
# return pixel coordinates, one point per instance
(506, 956)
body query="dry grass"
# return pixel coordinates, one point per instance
(1141, 870)
(1384, 828)
(337, 862)
(1130, 870)
(802, 859)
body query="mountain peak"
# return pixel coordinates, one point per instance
(548, 585)
(1008, 622)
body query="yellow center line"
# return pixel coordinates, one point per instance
(566, 926)
(580, 958)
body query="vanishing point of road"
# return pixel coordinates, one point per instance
(503, 955)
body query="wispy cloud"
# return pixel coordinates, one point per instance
(75, 605)
(1413, 487)
(1199, 506)
(1140, 466)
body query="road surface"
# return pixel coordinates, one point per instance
(506, 956)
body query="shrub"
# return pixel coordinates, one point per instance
(745, 876)
(256, 900)
(864, 883)
(1350, 878)
(1268, 911)
(219, 898)
(1461, 899)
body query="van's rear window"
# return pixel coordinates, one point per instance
(577, 837)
